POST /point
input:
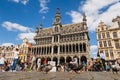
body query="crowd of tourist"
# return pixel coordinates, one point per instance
(94, 64)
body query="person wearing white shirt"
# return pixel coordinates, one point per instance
(15, 61)
(2, 62)
(38, 64)
(33, 62)
(102, 56)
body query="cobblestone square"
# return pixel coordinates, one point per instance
(59, 76)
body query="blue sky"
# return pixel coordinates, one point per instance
(19, 18)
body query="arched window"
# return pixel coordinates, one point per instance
(84, 47)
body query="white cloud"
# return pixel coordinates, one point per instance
(24, 2)
(97, 10)
(15, 27)
(93, 50)
(26, 32)
(43, 5)
(93, 6)
(7, 44)
(16, 1)
(75, 16)
(29, 36)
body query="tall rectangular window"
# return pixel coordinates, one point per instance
(100, 44)
(111, 54)
(117, 46)
(115, 35)
(109, 43)
(105, 44)
(55, 38)
(103, 35)
(108, 35)
(99, 36)
(106, 53)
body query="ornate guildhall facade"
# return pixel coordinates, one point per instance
(108, 38)
(61, 43)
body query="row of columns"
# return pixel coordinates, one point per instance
(60, 49)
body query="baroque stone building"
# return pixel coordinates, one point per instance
(108, 38)
(8, 51)
(60, 43)
(25, 50)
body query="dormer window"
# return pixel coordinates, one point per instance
(56, 29)
(102, 28)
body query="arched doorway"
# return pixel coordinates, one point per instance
(83, 58)
(77, 58)
(68, 59)
(62, 60)
(56, 60)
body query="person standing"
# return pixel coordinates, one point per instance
(102, 57)
(2, 62)
(33, 62)
(38, 64)
(15, 60)
(45, 61)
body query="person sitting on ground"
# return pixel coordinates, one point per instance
(90, 65)
(107, 66)
(115, 67)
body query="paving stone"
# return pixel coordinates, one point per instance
(59, 76)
